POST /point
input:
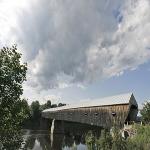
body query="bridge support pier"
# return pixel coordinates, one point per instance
(59, 126)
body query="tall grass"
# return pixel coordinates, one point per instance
(114, 141)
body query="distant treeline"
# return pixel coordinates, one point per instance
(33, 112)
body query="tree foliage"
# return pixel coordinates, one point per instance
(46, 105)
(145, 112)
(35, 110)
(61, 104)
(12, 76)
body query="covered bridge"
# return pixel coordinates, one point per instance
(102, 112)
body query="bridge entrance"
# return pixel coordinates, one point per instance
(132, 115)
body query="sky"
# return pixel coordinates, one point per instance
(81, 49)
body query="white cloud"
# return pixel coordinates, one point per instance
(77, 42)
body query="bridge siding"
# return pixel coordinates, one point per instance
(103, 118)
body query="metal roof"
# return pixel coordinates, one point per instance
(112, 100)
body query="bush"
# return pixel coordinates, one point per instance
(118, 142)
(105, 141)
(141, 141)
(90, 140)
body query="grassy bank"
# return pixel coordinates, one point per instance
(115, 141)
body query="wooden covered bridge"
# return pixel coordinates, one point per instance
(102, 112)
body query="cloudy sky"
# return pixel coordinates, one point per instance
(80, 49)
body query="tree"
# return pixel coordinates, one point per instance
(145, 112)
(53, 105)
(61, 104)
(12, 76)
(35, 110)
(26, 110)
(46, 105)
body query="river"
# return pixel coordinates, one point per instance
(73, 138)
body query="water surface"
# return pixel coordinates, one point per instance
(72, 138)
(42, 140)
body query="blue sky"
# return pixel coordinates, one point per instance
(80, 49)
(136, 81)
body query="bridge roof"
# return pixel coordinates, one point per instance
(112, 100)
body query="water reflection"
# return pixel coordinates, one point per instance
(41, 140)
(52, 131)
(73, 138)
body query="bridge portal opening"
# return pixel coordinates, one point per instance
(132, 115)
